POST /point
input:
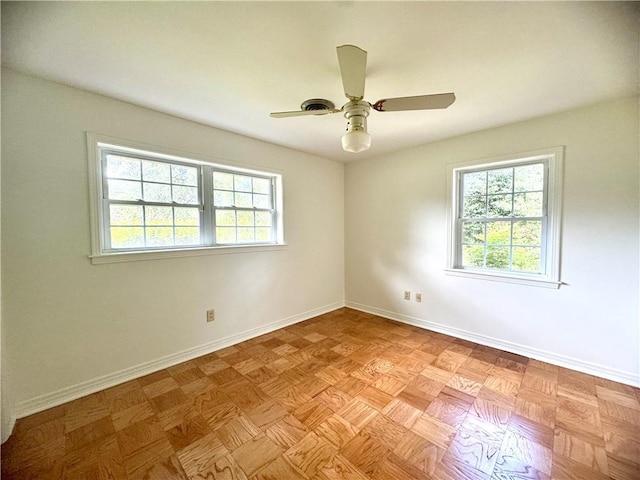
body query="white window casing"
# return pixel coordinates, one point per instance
(149, 202)
(548, 273)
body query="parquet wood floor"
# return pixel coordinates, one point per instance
(343, 396)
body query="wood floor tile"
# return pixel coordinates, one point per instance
(357, 413)
(267, 414)
(287, 432)
(88, 433)
(337, 431)
(101, 460)
(343, 396)
(419, 452)
(123, 418)
(280, 469)
(199, 458)
(385, 431)
(453, 469)
(365, 453)
(583, 452)
(402, 412)
(187, 432)
(375, 398)
(447, 413)
(620, 469)
(339, 468)
(397, 468)
(310, 454)
(435, 431)
(312, 414)
(152, 460)
(236, 432)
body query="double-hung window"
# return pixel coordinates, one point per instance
(505, 218)
(152, 203)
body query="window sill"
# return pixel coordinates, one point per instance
(502, 277)
(177, 253)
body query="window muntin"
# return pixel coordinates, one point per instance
(243, 208)
(505, 216)
(502, 218)
(150, 203)
(153, 202)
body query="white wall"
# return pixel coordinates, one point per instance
(396, 240)
(67, 322)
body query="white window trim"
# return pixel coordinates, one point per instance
(99, 256)
(555, 157)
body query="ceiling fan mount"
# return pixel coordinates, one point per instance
(353, 69)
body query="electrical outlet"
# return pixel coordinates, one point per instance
(211, 315)
(407, 295)
(418, 297)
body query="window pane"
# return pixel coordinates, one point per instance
(263, 234)
(185, 194)
(498, 257)
(245, 235)
(222, 198)
(262, 201)
(261, 185)
(474, 207)
(263, 219)
(472, 255)
(245, 219)
(183, 175)
(158, 216)
(475, 183)
(499, 233)
(159, 236)
(226, 234)
(222, 181)
(123, 167)
(527, 233)
(187, 235)
(526, 259)
(124, 190)
(529, 177)
(242, 183)
(528, 204)
(225, 218)
(157, 192)
(500, 181)
(243, 200)
(156, 172)
(473, 232)
(499, 205)
(125, 214)
(186, 216)
(127, 237)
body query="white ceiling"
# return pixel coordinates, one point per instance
(228, 64)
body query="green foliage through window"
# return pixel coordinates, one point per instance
(501, 218)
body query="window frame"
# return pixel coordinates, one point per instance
(99, 146)
(551, 225)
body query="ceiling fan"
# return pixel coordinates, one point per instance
(353, 68)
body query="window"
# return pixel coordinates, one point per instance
(148, 201)
(505, 218)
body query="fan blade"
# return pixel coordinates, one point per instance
(421, 102)
(353, 67)
(302, 113)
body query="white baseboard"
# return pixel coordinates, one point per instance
(530, 352)
(49, 400)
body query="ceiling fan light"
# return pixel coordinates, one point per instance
(356, 141)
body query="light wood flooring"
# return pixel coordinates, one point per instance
(343, 396)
